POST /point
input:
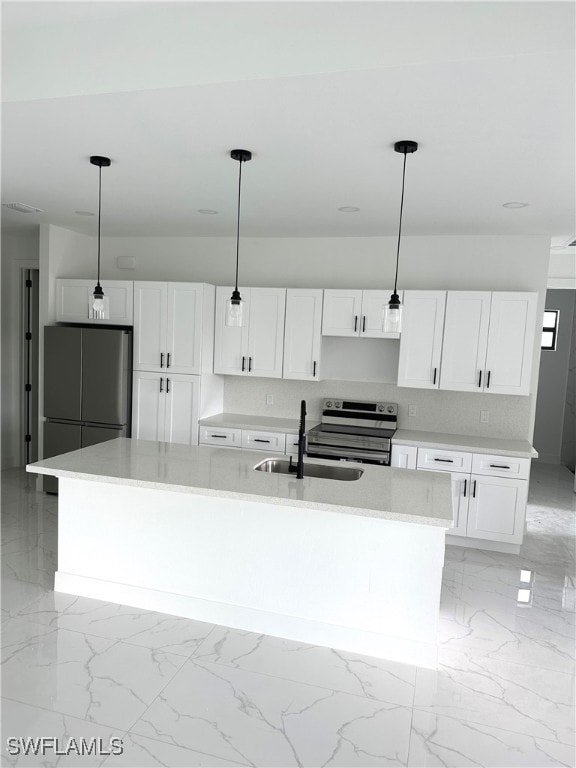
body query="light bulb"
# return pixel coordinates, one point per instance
(98, 304)
(234, 312)
(392, 319)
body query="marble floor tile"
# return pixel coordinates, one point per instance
(93, 678)
(22, 721)
(266, 721)
(142, 752)
(17, 594)
(445, 741)
(157, 631)
(324, 667)
(516, 697)
(31, 557)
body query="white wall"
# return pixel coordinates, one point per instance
(550, 403)
(568, 453)
(19, 251)
(465, 263)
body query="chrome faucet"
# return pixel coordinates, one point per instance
(299, 468)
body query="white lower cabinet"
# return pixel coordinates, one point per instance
(403, 456)
(485, 504)
(225, 436)
(497, 508)
(165, 407)
(264, 441)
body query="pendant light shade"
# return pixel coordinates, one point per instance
(235, 305)
(392, 315)
(99, 303)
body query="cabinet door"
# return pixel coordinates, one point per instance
(460, 498)
(403, 456)
(302, 334)
(371, 320)
(341, 313)
(150, 306)
(184, 327)
(182, 393)
(497, 509)
(73, 301)
(148, 405)
(421, 339)
(266, 332)
(510, 343)
(465, 340)
(230, 343)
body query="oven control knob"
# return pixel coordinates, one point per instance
(329, 403)
(338, 404)
(390, 409)
(380, 407)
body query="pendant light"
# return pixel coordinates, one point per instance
(392, 319)
(235, 305)
(99, 307)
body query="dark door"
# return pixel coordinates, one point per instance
(62, 372)
(93, 435)
(103, 376)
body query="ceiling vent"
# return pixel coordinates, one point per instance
(572, 243)
(22, 208)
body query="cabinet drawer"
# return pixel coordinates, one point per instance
(264, 441)
(500, 466)
(221, 436)
(439, 459)
(292, 444)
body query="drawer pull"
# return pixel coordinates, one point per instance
(449, 461)
(465, 486)
(500, 466)
(222, 437)
(474, 489)
(259, 440)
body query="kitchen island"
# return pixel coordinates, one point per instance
(196, 531)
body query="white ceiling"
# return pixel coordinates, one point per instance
(318, 91)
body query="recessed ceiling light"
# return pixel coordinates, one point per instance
(348, 209)
(514, 204)
(84, 213)
(209, 211)
(23, 208)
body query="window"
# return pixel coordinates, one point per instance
(550, 329)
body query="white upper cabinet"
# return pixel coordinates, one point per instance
(256, 348)
(421, 339)
(73, 303)
(355, 313)
(172, 326)
(341, 313)
(465, 340)
(510, 343)
(488, 342)
(302, 334)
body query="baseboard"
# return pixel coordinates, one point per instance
(252, 620)
(491, 546)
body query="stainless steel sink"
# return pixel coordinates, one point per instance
(280, 466)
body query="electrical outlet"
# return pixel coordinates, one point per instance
(411, 410)
(484, 417)
(269, 399)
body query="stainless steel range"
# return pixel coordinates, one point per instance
(354, 430)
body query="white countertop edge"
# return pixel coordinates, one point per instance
(248, 421)
(273, 500)
(467, 443)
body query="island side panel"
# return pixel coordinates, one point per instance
(347, 581)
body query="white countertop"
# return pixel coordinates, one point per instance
(496, 446)
(247, 421)
(383, 492)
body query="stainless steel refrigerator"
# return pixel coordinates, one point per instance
(87, 388)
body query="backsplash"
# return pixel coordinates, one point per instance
(436, 410)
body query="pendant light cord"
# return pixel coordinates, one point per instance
(238, 223)
(99, 216)
(400, 224)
